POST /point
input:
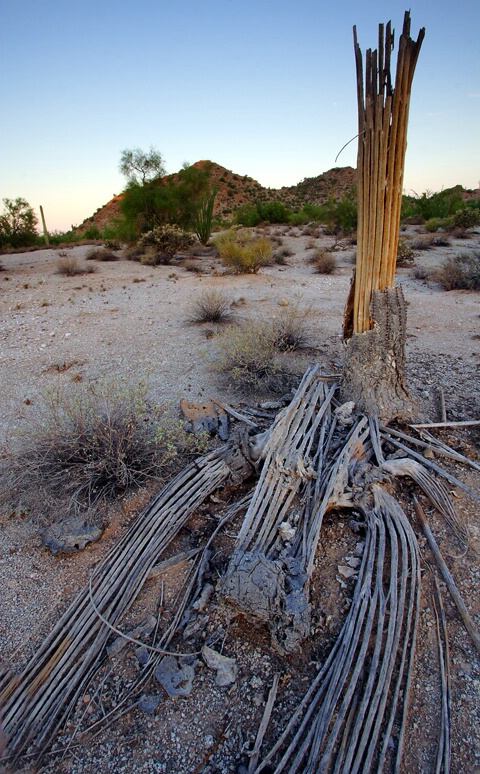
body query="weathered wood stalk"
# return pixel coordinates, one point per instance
(382, 141)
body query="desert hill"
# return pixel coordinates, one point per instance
(235, 190)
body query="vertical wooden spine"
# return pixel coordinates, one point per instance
(382, 126)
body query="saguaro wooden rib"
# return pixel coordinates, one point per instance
(382, 128)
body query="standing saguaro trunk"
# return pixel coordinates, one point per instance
(375, 321)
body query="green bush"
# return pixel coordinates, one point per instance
(466, 218)
(163, 243)
(273, 212)
(92, 232)
(247, 215)
(460, 273)
(242, 253)
(18, 224)
(175, 200)
(442, 204)
(434, 224)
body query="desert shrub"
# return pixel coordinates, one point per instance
(193, 266)
(460, 273)
(434, 224)
(243, 253)
(466, 218)
(112, 244)
(247, 215)
(93, 443)
(280, 256)
(423, 242)
(273, 212)
(134, 253)
(420, 272)
(405, 253)
(324, 261)
(92, 232)
(290, 330)
(299, 218)
(101, 254)
(311, 231)
(428, 206)
(68, 266)
(247, 353)
(211, 305)
(163, 243)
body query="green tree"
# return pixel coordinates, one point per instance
(18, 223)
(175, 199)
(141, 167)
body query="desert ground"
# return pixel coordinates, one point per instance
(129, 322)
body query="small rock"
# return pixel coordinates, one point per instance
(345, 571)
(177, 680)
(283, 302)
(353, 561)
(149, 703)
(226, 668)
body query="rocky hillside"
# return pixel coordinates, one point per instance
(235, 190)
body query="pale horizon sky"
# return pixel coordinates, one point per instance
(266, 89)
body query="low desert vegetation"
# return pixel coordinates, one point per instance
(290, 329)
(18, 224)
(162, 244)
(323, 261)
(247, 355)
(101, 254)
(69, 266)
(92, 443)
(211, 305)
(243, 253)
(466, 218)
(405, 253)
(420, 273)
(253, 354)
(461, 272)
(280, 256)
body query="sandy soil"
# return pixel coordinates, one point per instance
(127, 321)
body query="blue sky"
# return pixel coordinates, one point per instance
(262, 87)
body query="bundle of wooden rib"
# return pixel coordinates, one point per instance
(36, 703)
(345, 720)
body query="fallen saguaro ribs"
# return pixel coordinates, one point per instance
(344, 722)
(274, 553)
(36, 703)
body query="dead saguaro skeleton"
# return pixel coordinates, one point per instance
(375, 319)
(318, 455)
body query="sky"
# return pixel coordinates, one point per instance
(266, 88)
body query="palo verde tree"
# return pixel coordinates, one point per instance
(141, 167)
(176, 199)
(375, 319)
